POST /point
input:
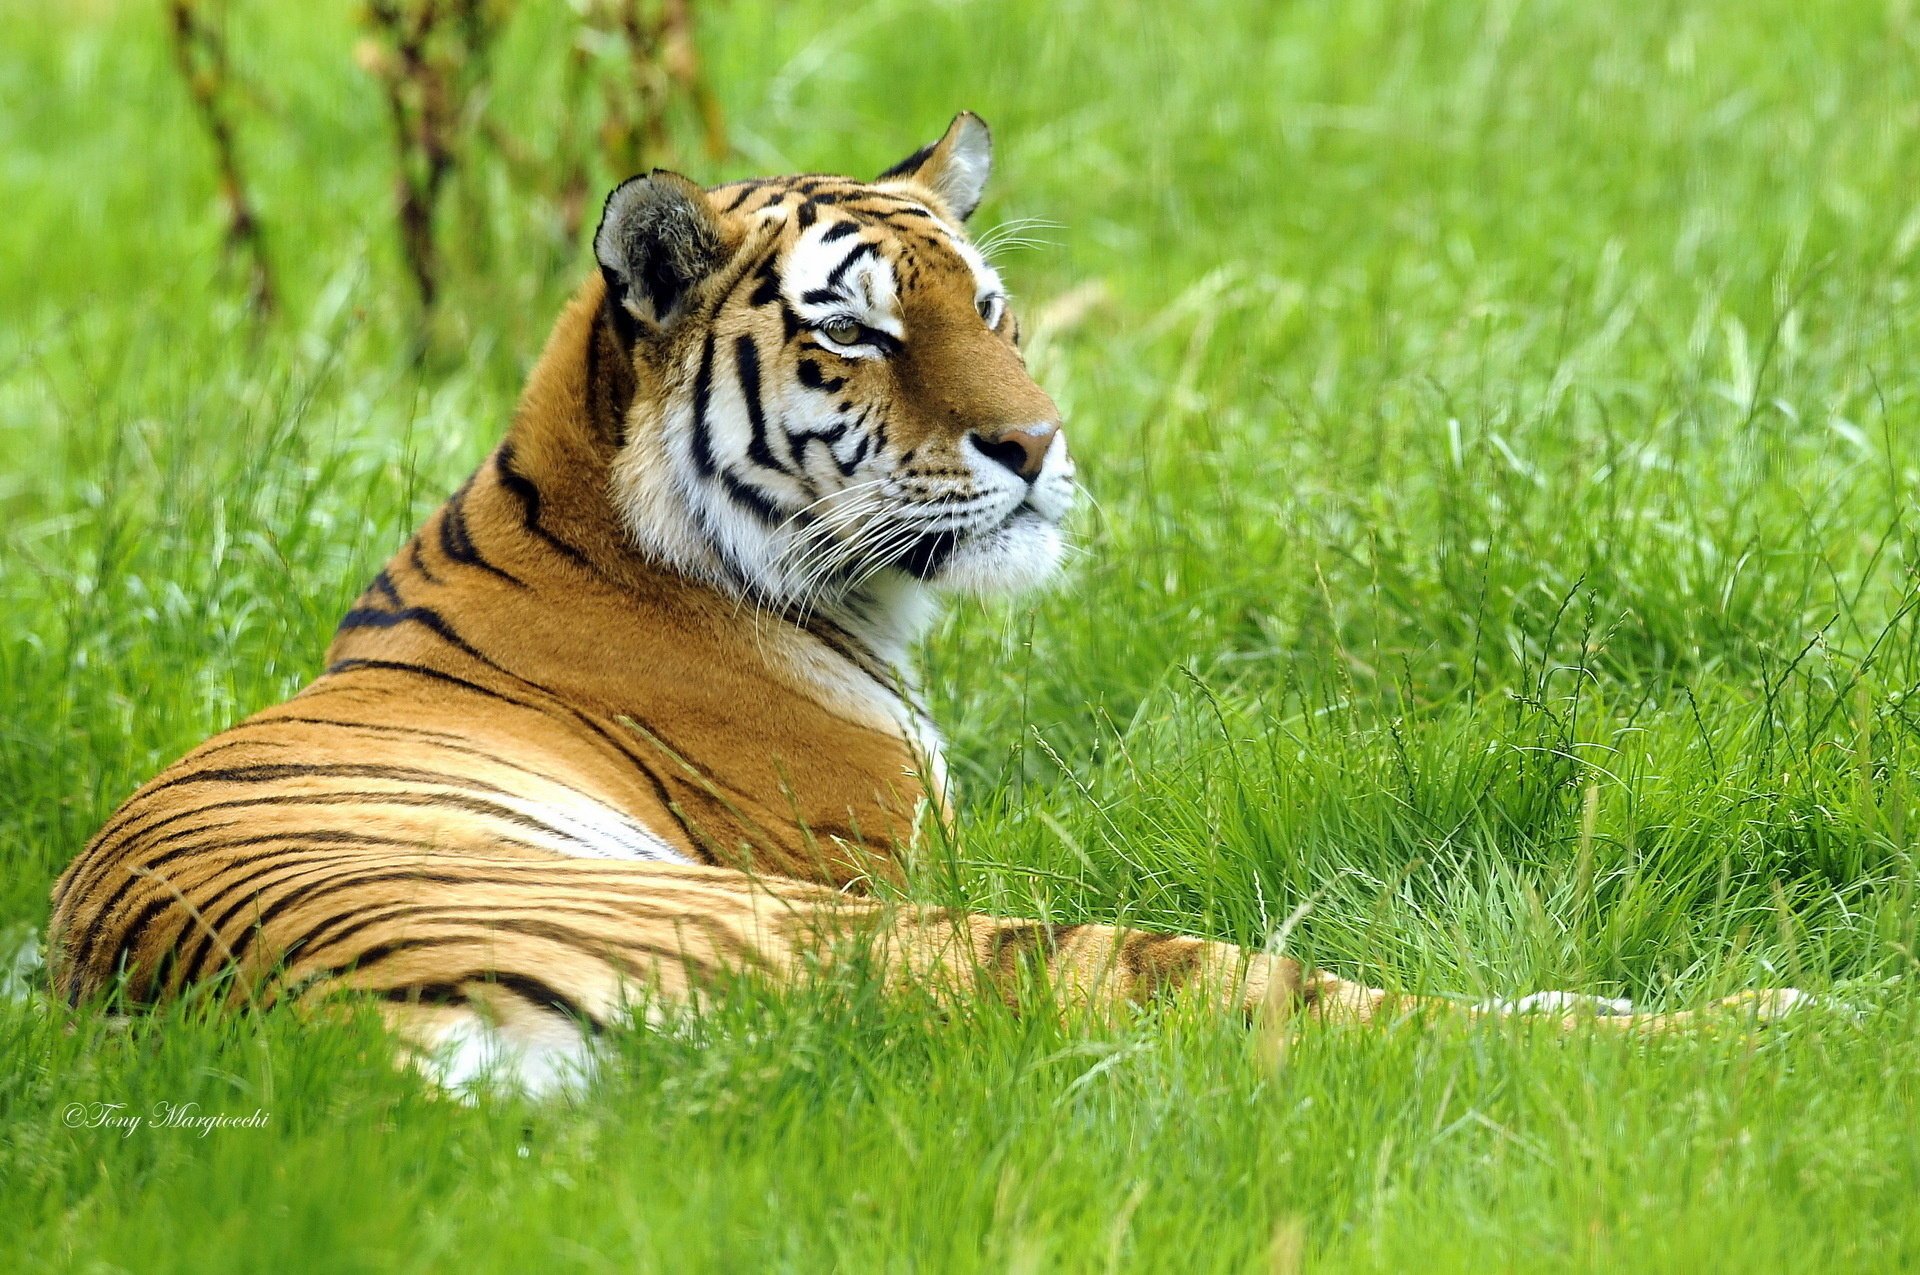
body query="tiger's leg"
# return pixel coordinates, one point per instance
(734, 922)
(510, 958)
(777, 928)
(517, 998)
(1572, 1009)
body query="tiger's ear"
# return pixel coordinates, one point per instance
(658, 238)
(954, 168)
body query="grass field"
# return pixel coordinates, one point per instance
(1505, 424)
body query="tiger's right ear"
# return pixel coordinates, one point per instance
(954, 168)
(658, 238)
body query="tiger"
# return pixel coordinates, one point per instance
(634, 712)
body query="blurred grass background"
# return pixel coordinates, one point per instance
(1501, 422)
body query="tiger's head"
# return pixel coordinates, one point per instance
(830, 409)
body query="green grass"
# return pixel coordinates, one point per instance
(1503, 424)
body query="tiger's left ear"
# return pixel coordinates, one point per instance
(954, 168)
(658, 240)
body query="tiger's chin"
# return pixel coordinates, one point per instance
(1020, 555)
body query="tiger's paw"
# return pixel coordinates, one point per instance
(1768, 1004)
(1560, 1004)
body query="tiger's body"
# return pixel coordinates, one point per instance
(633, 710)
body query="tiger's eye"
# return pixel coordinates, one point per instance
(841, 331)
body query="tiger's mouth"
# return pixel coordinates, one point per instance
(927, 556)
(1026, 513)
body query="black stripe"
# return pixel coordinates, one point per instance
(747, 190)
(133, 932)
(702, 401)
(383, 584)
(832, 434)
(813, 378)
(532, 990)
(886, 342)
(374, 956)
(751, 498)
(97, 859)
(543, 996)
(910, 164)
(300, 719)
(768, 290)
(527, 492)
(419, 563)
(426, 994)
(94, 932)
(456, 541)
(102, 854)
(102, 848)
(270, 773)
(747, 357)
(190, 967)
(446, 740)
(839, 230)
(866, 248)
(829, 436)
(305, 943)
(757, 271)
(427, 617)
(343, 926)
(348, 665)
(104, 845)
(595, 948)
(182, 849)
(102, 913)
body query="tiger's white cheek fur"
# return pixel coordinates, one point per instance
(1023, 552)
(1018, 558)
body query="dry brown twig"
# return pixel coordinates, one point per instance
(430, 60)
(658, 68)
(682, 60)
(633, 65)
(200, 53)
(662, 60)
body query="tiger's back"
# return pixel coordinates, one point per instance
(459, 719)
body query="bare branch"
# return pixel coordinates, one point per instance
(430, 59)
(200, 53)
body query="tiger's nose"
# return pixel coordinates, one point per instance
(1022, 448)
